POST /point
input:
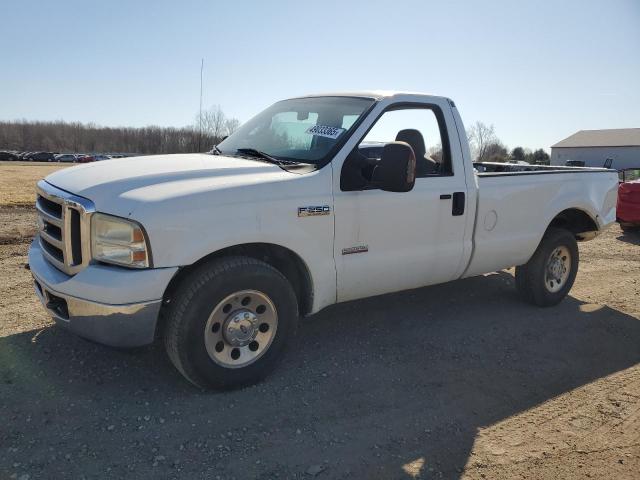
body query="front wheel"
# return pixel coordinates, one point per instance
(549, 275)
(229, 322)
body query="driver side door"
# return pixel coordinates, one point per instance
(386, 241)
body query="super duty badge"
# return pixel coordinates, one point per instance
(314, 211)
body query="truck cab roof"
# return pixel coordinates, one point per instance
(375, 94)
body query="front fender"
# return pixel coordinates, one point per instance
(187, 229)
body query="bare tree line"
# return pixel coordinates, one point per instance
(487, 147)
(208, 130)
(61, 136)
(216, 124)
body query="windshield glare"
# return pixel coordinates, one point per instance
(301, 129)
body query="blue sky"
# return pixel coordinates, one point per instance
(538, 71)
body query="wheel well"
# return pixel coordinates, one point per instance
(282, 259)
(576, 221)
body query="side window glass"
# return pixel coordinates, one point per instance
(420, 128)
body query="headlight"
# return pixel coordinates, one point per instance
(118, 241)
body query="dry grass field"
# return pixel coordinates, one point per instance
(455, 381)
(17, 180)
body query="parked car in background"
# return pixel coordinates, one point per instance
(497, 167)
(8, 156)
(628, 208)
(42, 157)
(575, 163)
(66, 157)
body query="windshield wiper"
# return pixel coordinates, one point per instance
(215, 150)
(260, 154)
(265, 156)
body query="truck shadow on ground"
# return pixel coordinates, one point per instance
(369, 387)
(632, 237)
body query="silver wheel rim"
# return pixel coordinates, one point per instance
(241, 329)
(557, 269)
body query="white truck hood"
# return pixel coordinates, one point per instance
(195, 204)
(115, 186)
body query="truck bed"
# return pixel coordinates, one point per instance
(515, 205)
(485, 169)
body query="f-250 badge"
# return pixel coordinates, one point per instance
(314, 211)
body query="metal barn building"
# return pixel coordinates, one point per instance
(593, 147)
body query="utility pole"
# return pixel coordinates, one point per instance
(200, 122)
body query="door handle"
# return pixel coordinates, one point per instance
(445, 196)
(457, 206)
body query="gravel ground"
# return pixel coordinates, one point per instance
(454, 381)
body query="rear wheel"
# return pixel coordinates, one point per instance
(229, 322)
(549, 275)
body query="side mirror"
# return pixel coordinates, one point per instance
(396, 170)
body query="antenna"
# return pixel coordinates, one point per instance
(200, 121)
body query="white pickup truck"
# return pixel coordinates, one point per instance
(316, 200)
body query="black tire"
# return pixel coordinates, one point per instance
(194, 301)
(531, 278)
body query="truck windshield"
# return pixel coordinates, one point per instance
(306, 130)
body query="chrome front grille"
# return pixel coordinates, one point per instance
(64, 227)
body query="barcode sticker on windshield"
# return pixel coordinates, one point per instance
(325, 131)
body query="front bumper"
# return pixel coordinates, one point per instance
(110, 305)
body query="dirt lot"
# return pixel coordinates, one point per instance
(18, 178)
(454, 381)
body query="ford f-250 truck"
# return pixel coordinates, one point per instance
(316, 200)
